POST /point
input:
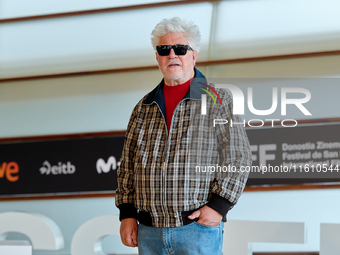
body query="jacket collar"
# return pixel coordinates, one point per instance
(157, 95)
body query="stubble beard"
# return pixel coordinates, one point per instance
(174, 75)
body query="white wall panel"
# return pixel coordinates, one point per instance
(72, 105)
(327, 66)
(23, 8)
(90, 42)
(309, 206)
(248, 28)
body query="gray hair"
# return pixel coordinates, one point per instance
(177, 25)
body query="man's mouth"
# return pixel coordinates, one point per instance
(173, 65)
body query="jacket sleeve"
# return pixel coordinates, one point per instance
(235, 153)
(125, 193)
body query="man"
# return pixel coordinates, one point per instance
(180, 210)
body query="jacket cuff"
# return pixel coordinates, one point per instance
(127, 211)
(219, 204)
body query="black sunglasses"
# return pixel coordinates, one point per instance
(179, 49)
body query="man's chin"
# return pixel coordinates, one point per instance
(174, 76)
(175, 79)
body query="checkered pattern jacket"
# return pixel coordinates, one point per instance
(166, 173)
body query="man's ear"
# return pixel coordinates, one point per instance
(156, 55)
(194, 56)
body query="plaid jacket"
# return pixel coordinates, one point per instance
(166, 174)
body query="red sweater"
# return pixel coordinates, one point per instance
(172, 96)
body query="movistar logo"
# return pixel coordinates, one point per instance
(105, 167)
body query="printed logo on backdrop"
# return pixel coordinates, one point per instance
(239, 104)
(9, 171)
(60, 168)
(61, 165)
(105, 167)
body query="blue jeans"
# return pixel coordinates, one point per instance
(191, 239)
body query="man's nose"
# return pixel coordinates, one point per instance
(172, 53)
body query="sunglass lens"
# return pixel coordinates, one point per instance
(180, 50)
(163, 50)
